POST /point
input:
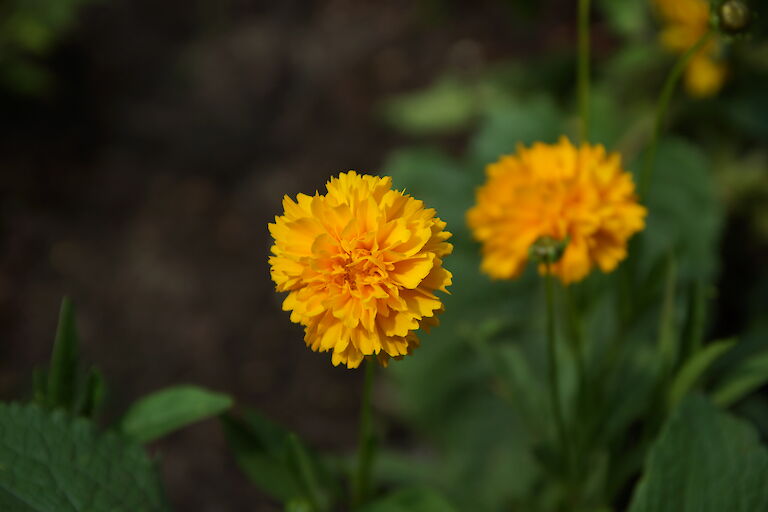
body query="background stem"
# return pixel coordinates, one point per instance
(667, 92)
(583, 69)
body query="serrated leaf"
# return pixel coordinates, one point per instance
(170, 409)
(705, 460)
(62, 374)
(751, 374)
(51, 461)
(411, 500)
(693, 369)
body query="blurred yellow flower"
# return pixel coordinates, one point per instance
(581, 195)
(686, 21)
(361, 265)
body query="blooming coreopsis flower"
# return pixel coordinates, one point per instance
(361, 265)
(686, 21)
(577, 195)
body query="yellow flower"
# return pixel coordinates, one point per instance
(360, 265)
(704, 76)
(686, 21)
(581, 195)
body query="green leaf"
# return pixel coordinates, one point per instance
(92, 394)
(684, 212)
(277, 461)
(522, 121)
(630, 19)
(259, 447)
(446, 106)
(411, 500)
(51, 461)
(435, 178)
(63, 374)
(695, 322)
(170, 409)
(693, 369)
(705, 460)
(305, 468)
(298, 505)
(668, 344)
(751, 374)
(39, 385)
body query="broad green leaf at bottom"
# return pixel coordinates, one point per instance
(52, 462)
(705, 460)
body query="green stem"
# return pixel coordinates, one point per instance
(575, 334)
(663, 105)
(583, 69)
(365, 442)
(554, 378)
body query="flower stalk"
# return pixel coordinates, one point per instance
(362, 475)
(670, 84)
(554, 377)
(583, 69)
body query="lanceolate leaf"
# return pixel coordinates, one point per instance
(411, 500)
(668, 343)
(53, 462)
(170, 409)
(62, 374)
(750, 375)
(695, 323)
(258, 446)
(704, 461)
(277, 462)
(92, 394)
(694, 368)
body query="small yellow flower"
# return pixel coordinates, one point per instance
(686, 21)
(361, 265)
(579, 195)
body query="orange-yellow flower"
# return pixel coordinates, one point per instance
(361, 265)
(686, 21)
(579, 195)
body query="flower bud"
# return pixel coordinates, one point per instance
(735, 16)
(547, 250)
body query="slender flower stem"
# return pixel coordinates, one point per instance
(554, 378)
(575, 334)
(667, 92)
(583, 69)
(365, 442)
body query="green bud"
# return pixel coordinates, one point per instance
(735, 16)
(547, 249)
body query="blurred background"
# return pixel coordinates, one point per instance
(145, 146)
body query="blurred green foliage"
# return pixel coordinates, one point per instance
(476, 390)
(29, 31)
